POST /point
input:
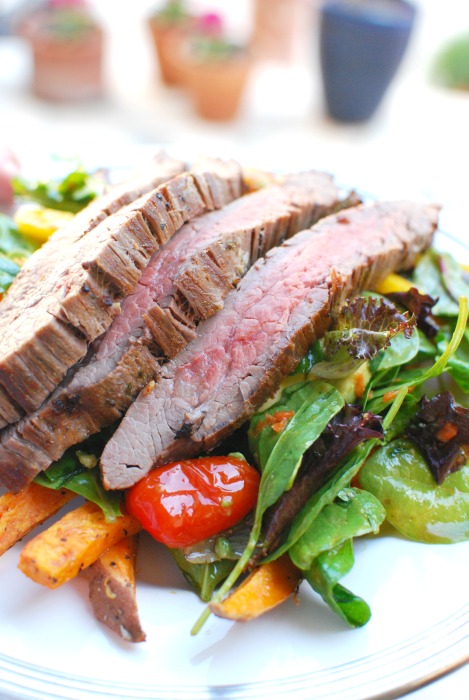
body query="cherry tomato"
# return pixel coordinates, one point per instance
(185, 502)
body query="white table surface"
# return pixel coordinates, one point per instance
(416, 145)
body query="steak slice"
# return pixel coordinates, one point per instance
(241, 354)
(185, 281)
(46, 333)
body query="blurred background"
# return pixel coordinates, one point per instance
(96, 86)
(273, 82)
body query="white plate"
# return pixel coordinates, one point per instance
(51, 647)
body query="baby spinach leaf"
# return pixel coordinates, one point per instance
(401, 350)
(427, 277)
(324, 575)
(346, 430)
(398, 476)
(312, 405)
(326, 494)
(69, 472)
(204, 578)
(354, 512)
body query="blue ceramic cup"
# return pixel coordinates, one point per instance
(361, 44)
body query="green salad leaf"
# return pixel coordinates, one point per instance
(353, 513)
(71, 473)
(399, 477)
(324, 576)
(71, 193)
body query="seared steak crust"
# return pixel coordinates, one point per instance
(186, 281)
(47, 331)
(241, 354)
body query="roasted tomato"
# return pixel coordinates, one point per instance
(185, 502)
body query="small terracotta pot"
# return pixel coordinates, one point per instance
(217, 87)
(167, 42)
(66, 69)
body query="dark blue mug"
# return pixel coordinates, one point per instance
(362, 43)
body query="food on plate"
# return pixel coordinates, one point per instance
(112, 588)
(221, 492)
(266, 587)
(61, 302)
(22, 512)
(59, 553)
(278, 310)
(184, 282)
(240, 364)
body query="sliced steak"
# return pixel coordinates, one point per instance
(48, 331)
(186, 281)
(241, 354)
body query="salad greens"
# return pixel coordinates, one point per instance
(395, 454)
(71, 193)
(372, 425)
(77, 471)
(14, 249)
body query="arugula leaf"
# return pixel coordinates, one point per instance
(72, 193)
(354, 513)
(398, 476)
(324, 575)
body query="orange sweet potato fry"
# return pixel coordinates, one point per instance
(265, 588)
(22, 512)
(71, 544)
(112, 589)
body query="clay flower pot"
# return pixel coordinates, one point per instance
(216, 70)
(167, 42)
(217, 88)
(169, 28)
(362, 43)
(67, 47)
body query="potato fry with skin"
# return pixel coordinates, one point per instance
(265, 588)
(22, 512)
(113, 592)
(73, 543)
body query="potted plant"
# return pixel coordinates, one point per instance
(67, 46)
(168, 28)
(362, 43)
(216, 70)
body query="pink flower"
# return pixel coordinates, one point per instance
(210, 24)
(66, 4)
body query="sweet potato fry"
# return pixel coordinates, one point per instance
(265, 588)
(72, 543)
(22, 512)
(112, 589)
